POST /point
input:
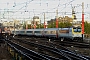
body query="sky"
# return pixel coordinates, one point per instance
(26, 9)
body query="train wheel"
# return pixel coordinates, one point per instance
(62, 39)
(81, 40)
(49, 39)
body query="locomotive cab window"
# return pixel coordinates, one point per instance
(77, 29)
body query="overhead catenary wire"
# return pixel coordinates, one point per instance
(24, 5)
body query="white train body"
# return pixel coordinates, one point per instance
(61, 33)
(38, 32)
(70, 33)
(50, 32)
(29, 32)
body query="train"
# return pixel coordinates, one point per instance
(71, 33)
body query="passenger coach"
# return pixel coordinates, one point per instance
(51, 33)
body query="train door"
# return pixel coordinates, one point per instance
(0, 33)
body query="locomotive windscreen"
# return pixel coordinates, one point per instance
(77, 29)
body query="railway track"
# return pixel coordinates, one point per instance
(46, 49)
(63, 43)
(29, 53)
(76, 44)
(54, 48)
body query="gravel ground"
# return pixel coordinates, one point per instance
(4, 54)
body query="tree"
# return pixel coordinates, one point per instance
(29, 26)
(63, 25)
(68, 24)
(87, 27)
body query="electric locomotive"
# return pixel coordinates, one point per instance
(73, 33)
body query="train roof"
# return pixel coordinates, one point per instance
(65, 28)
(29, 29)
(38, 29)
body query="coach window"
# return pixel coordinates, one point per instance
(37, 31)
(48, 32)
(29, 31)
(12, 31)
(53, 32)
(22, 31)
(45, 31)
(17, 31)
